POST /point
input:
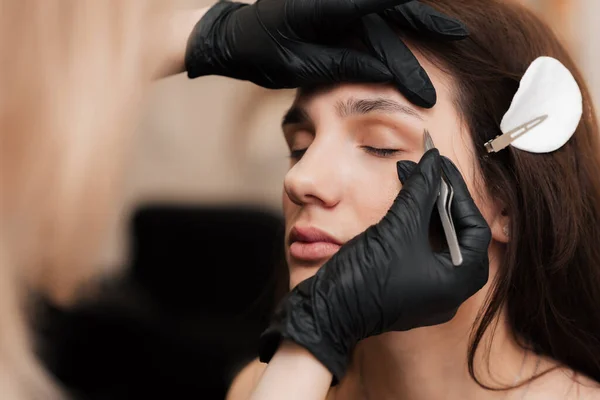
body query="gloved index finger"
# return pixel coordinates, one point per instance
(409, 76)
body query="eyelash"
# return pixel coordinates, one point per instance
(297, 154)
(380, 152)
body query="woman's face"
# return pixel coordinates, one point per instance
(344, 143)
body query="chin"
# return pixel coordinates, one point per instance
(301, 273)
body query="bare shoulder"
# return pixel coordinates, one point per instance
(588, 388)
(246, 380)
(563, 383)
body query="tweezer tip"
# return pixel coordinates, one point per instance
(427, 139)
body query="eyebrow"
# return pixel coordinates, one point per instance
(353, 106)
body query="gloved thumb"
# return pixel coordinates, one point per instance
(413, 206)
(423, 184)
(404, 169)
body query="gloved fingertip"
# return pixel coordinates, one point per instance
(428, 21)
(430, 164)
(405, 168)
(423, 184)
(431, 157)
(424, 97)
(428, 97)
(450, 28)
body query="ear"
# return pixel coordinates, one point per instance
(500, 226)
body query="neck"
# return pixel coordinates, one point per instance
(431, 363)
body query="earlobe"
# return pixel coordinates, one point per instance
(500, 227)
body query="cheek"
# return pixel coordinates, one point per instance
(367, 198)
(376, 194)
(482, 200)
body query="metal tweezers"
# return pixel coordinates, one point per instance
(444, 204)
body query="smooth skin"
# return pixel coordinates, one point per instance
(292, 369)
(343, 188)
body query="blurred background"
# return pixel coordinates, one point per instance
(207, 170)
(214, 140)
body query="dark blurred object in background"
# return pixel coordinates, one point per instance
(187, 316)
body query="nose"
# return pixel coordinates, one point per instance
(315, 178)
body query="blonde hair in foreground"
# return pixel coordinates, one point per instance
(71, 75)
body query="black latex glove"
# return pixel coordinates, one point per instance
(286, 44)
(383, 42)
(387, 278)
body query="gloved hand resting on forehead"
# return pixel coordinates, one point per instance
(387, 278)
(288, 44)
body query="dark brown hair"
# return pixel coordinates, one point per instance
(549, 282)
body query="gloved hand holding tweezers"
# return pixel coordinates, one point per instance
(388, 278)
(444, 206)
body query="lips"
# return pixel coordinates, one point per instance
(312, 244)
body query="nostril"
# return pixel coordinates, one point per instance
(294, 195)
(294, 199)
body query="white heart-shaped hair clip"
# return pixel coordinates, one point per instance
(545, 111)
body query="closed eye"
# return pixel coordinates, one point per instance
(297, 154)
(380, 152)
